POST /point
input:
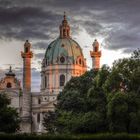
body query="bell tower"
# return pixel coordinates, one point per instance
(64, 28)
(95, 55)
(26, 97)
(27, 55)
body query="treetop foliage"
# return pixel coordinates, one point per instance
(9, 118)
(107, 100)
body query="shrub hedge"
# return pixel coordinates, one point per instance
(108, 136)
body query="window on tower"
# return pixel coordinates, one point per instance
(96, 49)
(64, 32)
(26, 49)
(9, 85)
(68, 32)
(62, 80)
(80, 61)
(39, 101)
(45, 81)
(38, 117)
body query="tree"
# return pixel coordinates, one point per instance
(124, 112)
(74, 94)
(125, 75)
(122, 89)
(9, 119)
(49, 122)
(96, 104)
(75, 110)
(99, 101)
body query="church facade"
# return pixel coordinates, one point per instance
(63, 59)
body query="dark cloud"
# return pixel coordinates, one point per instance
(39, 20)
(126, 38)
(39, 56)
(26, 22)
(40, 45)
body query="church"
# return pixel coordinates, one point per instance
(63, 59)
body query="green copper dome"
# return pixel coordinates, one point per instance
(63, 50)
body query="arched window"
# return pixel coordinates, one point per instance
(45, 81)
(80, 61)
(64, 33)
(9, 85)
(96, 49)
(39, 101)
(62, 80)
(26, 49)
(38, 117)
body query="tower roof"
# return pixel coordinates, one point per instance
(27, 43)
(10, 73)
(95, 43)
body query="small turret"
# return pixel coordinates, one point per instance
(95, 55)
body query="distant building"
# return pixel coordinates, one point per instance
(63, 59)
(10, 85)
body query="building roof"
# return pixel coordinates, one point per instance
(66, 47)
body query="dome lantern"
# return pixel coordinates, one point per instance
(64, 28)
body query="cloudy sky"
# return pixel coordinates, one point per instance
(114, 23)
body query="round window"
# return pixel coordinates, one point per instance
(62, 59)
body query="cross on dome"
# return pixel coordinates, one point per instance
(10, 69)
(64, 15)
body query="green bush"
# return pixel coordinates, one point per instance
(107, 136)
